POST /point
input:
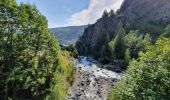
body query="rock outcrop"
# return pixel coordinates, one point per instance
(136, 13)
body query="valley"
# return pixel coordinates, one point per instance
(123, 54)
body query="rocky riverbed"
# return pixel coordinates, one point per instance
(92, 82)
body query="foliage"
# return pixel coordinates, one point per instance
(71, 49)
(136, 43)
(64, 80)
(29, 54)
(117, 44)
(147, 79)
(166, 32)
(127, 56)
(106, 52)
(126, 46)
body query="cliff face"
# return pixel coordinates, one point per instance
(133, 12)
(95, 35)
(157, 11)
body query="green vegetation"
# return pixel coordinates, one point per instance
(31, 64)
(63, 80)
(166, 32)
(117, 44)
(125, 46)
(70, 49)
(136, 43)
(127, 56)
(148, 78)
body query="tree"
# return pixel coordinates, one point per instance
(166, 31)
(106, 52)
(112, 13)
(127, 56)
(29, 54)
(148, 78)
(105, 14)
(117, 44)
(136, 43)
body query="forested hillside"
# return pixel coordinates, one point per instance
(31, 64)
(68, 35)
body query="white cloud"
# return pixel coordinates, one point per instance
(93, 12)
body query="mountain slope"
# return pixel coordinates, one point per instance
(145, 15)
(68, 35)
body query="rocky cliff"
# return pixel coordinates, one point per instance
(157, 11)
(135, 14)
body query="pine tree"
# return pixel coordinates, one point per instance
(117, 44)
(106, 52)
(112, 13)
(127, 56)
(105, 14)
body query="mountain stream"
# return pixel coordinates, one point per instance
(92, 82)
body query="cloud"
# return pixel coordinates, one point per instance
(93, 12)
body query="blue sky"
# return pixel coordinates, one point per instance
(61, 13)
(57, 11)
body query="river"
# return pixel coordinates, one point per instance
(92, 82)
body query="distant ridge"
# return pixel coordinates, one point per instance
(68, 35)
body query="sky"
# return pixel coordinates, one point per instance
(61, 13)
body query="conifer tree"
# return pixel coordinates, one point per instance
(105, 14)
(117, 44)
(166, 31)
(112, 13)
